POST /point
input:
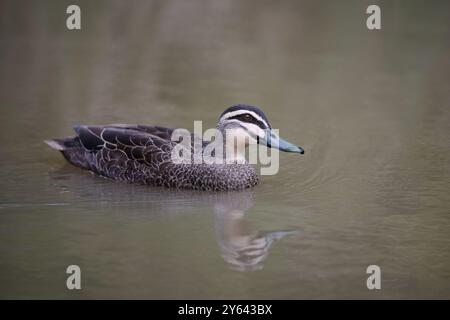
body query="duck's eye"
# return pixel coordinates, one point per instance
(248, 117)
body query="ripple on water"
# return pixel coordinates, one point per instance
(300, 175)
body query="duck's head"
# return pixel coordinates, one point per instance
(250, 124)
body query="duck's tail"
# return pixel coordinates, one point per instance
(71, 149)
(60, 144)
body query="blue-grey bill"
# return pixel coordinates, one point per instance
(274, 141)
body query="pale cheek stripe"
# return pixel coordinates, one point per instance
(257, 131)
(254, 129)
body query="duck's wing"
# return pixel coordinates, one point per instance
(161, 132)
(136, 144)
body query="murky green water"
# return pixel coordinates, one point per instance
(371, 108)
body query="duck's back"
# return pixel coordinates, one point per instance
(142, 154)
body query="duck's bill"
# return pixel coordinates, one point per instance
(272, 140)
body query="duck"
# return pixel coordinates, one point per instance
(143, 154)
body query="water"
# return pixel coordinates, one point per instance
(371, 109)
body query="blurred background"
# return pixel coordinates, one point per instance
(371, 109)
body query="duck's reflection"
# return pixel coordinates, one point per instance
(242, 246)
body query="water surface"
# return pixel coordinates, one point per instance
(371, 109)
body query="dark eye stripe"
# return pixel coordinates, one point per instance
(245, 117)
